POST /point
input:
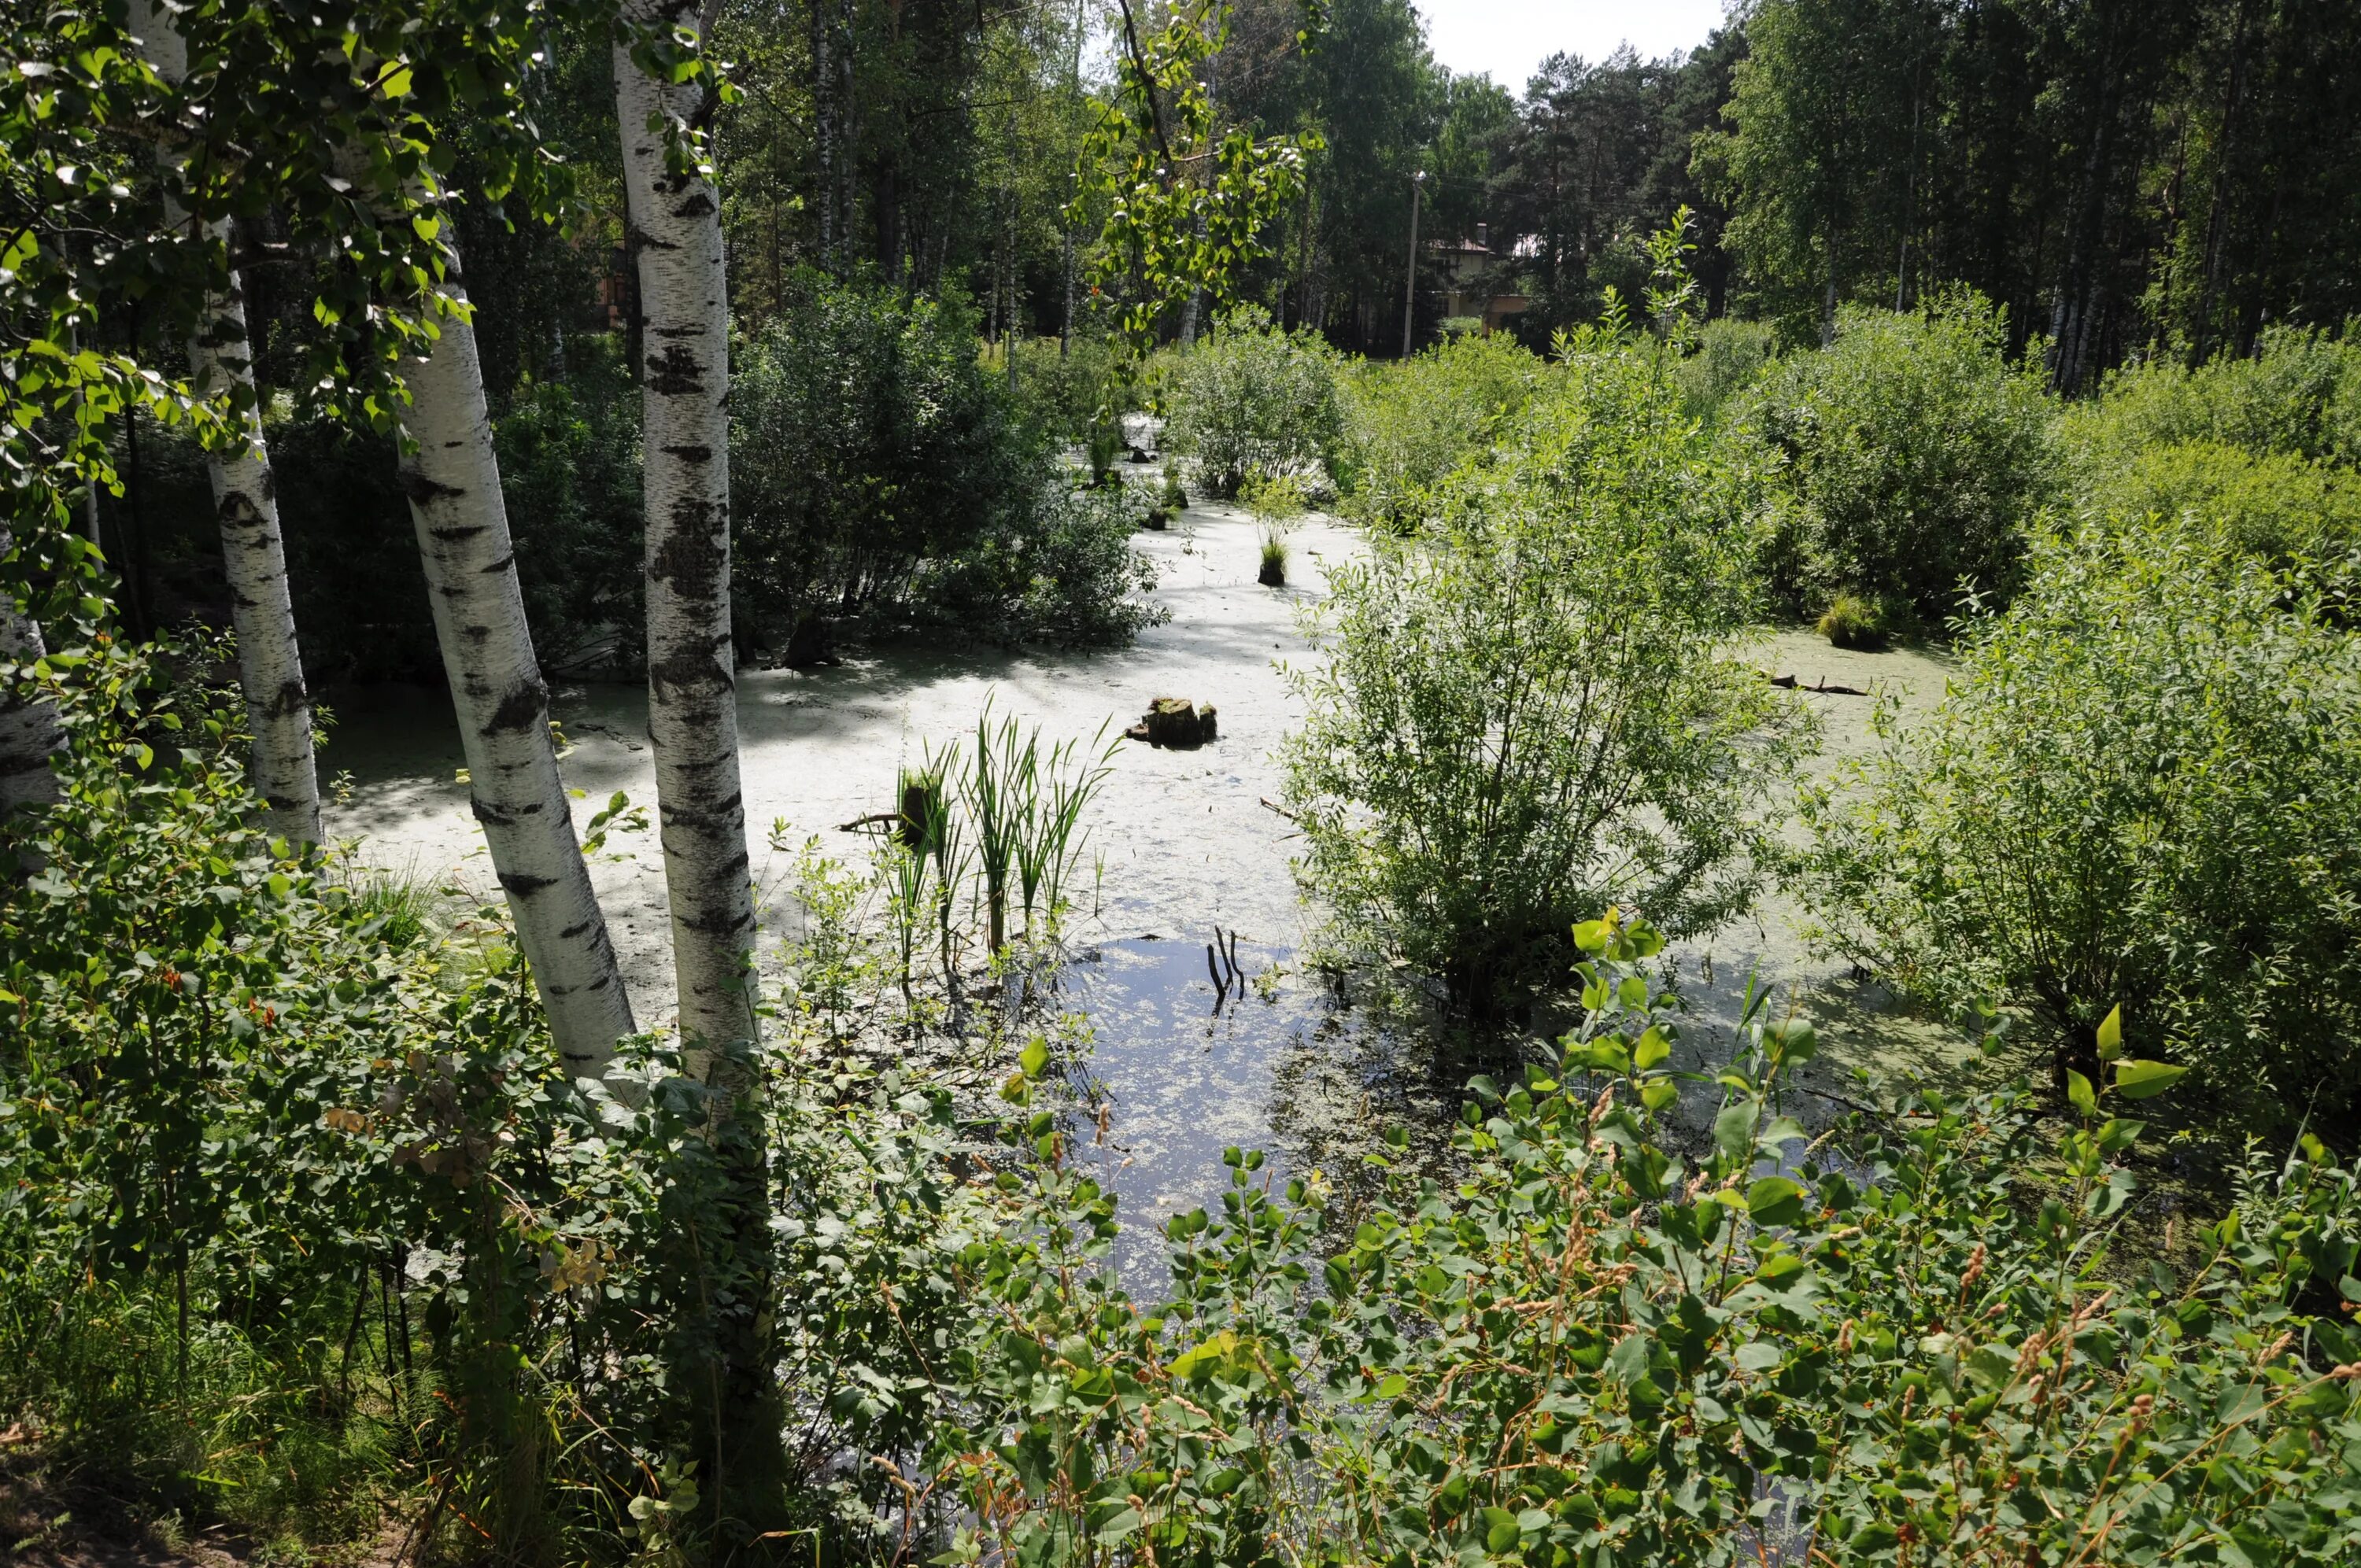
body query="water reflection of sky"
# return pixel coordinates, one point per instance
(1182, 1079)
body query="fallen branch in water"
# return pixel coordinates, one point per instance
(1271, 804)
(874, 820)
(1792, 683)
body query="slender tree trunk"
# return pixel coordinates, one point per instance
(254, 556)
(675, 233)
(692, 686)
(451, 478)
(30, 734)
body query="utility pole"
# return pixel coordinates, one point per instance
(1410, 281)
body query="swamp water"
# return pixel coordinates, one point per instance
(1184, 848)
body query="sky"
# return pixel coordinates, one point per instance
(1509, 37)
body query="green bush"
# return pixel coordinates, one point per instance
(1594, 1343)
(2300, 394)
(1066, 396)
(569, 472)
(1063, 571)
(865, 439)
(1408, 424)
(2143, 788)
(1251, 401)
(1532, 708)
(2289, 513)
(1915, 456)
(569, 456)
(1730, 357)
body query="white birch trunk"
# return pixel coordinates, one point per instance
(29, 732)
(453, 481)
(675, 224)
(254, 556)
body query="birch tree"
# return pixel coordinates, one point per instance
(665, 94)
(451, 478)
(676, 235)
(254, 556)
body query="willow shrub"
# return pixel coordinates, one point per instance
(1901, 1343)
(2144, 788)
(1533, 707)
(1915, 458)
(2298, 393)
(1408, 424)
(1252, 401)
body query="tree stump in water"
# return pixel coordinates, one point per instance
(922, 806)
(1177, 722)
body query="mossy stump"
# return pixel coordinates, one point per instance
(1177, 722)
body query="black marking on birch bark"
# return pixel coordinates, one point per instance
(459, 535)
(525, 886)
(575, 930)
(424, 491)
(720, 924)
(675, 372)
(269, 483)
(691, 559)
(502, 565)
(693, 454)
(524, 706)
(289, 701)
(488, 814)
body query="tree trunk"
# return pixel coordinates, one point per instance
(692, 688)
(29, 732)
(675, 234)
(254, 557)
(451, 478)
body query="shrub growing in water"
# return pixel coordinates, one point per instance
(865, 439)
(1408, 424)
(1915, 457)
(1531, 708)
(2144, 788)
(1252, 401)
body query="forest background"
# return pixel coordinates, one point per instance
(2124, 182)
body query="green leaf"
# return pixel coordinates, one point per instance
(1653, 1048)
(1775, 1200)
(2136, 1079)
(2111, 1035)
(2081, 1095)
(1793, 1040)
(1733, 1130)
(1034, 1057)
(1501, 1531)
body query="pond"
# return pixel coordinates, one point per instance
(1185, 843)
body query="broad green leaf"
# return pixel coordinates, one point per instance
(2137, 1080)
(2111, 1035)
(1034, 1057)
(1775, 1200)
(2079, 1093)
